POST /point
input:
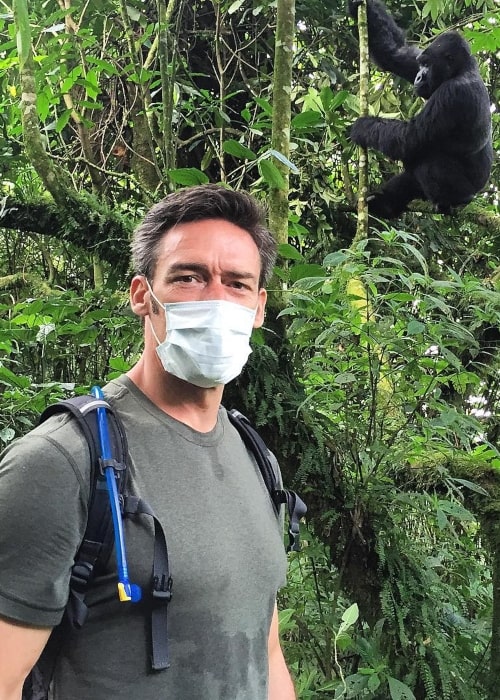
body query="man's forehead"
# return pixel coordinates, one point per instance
(209, 237)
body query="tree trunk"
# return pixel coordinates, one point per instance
(283, 61)
(364, 83)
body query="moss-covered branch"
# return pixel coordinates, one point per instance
(85, 223)
(79, 218)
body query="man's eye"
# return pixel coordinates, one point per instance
(185, 278)
(239, 285)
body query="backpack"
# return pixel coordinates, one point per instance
(99, 538)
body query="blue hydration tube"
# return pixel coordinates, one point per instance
(126, 591)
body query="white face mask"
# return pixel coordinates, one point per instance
(207, 342)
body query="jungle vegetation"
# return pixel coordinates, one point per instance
(376, 379)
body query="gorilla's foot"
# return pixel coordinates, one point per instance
(380, 206)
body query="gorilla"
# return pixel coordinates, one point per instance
(446, 148)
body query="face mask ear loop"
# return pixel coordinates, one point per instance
(149, 316)
(158, 341)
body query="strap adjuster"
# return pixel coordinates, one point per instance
(162, 588)
(80, 576)
(105, 463)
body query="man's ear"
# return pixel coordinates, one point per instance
(261, 306)
(140, 296)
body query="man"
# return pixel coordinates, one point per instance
(202, 257)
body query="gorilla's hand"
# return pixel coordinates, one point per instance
(361, 131)
(352, 7)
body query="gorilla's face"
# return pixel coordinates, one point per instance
(424, 84)
(446, 57)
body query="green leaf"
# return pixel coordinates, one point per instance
(207, 158)
(45, 330)
(62, 120)
(120, 364)
(11, 379)
(91, 83)
(299, 272)
(338, 100)
(289, 252)
(264, 105)
(42, 106)
(343, 641)
(398, 690)
(271, 174)
(283, 159)
(345, 378)
(104, 66)
(442, 520)
(336, 258)
(307, 119)
(456, 511)
(235, 6)
(471, 486)
(235, 148)
(415, 328)
(351, 615)
(71, 79)
(133, 13)
(188, 176)
(7, 434)
(23, 36)
(54, 29)
(285, 618)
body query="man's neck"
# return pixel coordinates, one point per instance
(189, 404)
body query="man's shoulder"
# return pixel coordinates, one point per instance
(59, 430)
(52, 448)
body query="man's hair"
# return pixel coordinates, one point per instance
(197, 204)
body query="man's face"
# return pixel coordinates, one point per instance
(207, 260)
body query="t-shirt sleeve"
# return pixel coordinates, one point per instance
(44, 488)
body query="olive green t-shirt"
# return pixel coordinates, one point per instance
(225, 549)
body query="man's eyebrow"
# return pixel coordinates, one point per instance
(203, 269)
(240, 274)
(183, 266)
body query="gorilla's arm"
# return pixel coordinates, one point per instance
(387, 41)
(436, 127)
(455, 120)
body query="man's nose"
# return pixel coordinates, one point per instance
(215, 289)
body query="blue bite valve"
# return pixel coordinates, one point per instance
(135, 593)
(129, 592)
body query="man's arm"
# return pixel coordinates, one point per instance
(280, 681)
(20, 648)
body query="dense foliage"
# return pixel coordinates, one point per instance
(376, 378)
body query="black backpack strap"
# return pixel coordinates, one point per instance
(268, 466)
(161, 588)
(98, 540)
(82, 409)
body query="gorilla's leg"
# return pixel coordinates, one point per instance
(445, 182)
(395, 195)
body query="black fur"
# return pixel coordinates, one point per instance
(446, 149)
